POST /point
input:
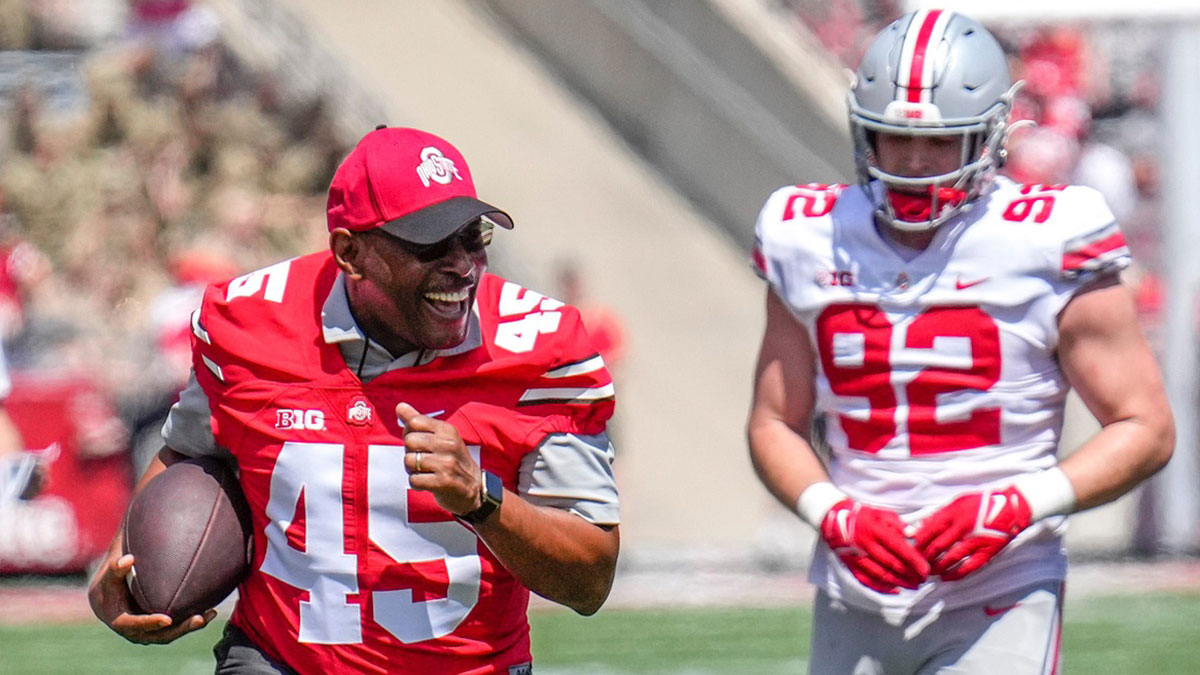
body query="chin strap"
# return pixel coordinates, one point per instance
(918, 208)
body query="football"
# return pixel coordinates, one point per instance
(190, 534)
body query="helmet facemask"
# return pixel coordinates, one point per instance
(916, 203)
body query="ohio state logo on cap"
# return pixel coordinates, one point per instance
(436, 167)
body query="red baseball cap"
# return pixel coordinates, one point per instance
(413, 184)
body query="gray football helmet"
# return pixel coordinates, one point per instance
(932, 72)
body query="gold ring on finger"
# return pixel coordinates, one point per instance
(418, 467)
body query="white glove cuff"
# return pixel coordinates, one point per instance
(1048, 493)
(816, 500)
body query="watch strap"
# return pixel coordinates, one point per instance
(493, 496)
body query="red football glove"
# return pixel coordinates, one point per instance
(871, 543)
(965, 534)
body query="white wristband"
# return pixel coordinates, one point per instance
(1048, 493)
(816, 500)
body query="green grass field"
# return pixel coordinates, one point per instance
(1153, 633)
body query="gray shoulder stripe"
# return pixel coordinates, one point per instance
(567, 395)
(198, 328)
(588, 365)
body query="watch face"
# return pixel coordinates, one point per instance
(493, 487)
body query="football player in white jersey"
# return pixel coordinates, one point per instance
(935, 315)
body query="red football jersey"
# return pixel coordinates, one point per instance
(353, 571)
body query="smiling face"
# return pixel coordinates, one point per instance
(407, 296)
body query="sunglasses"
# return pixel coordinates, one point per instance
(473, 237)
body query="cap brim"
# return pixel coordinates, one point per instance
(435, 223)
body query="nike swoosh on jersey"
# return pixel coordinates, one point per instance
(960, 284)
(428, 414)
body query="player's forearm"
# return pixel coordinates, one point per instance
(1119, 457)
(784, 460)
(1109, 364)
(553, 553)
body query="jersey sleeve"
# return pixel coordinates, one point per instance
(1063, 237)
(574, 473)
(540, 350)
(216, 361)
(574, 393)
(557, 397)
(566, 410)
(764, 257)
(1085, 242)
(793, 225)
(1095, 253)
(283, 301)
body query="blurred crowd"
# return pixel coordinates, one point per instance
(1091, 88)
(135, 166)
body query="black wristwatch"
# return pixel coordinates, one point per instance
(493, 496)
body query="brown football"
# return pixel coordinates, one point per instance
(189, 533)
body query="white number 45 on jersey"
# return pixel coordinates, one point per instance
(520, 335)
(329, 573)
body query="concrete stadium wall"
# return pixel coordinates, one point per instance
(708, 92)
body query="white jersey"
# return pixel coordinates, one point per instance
(937, 374)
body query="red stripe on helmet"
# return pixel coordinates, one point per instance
(915, 83)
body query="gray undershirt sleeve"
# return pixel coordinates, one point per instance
(573, 473)
(188, 429)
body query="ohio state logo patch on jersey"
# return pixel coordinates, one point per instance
(359, 412)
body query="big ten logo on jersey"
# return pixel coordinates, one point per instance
(1037, 204)
(520, 335)
(304, 420)
(827, 278)
(811, 200)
